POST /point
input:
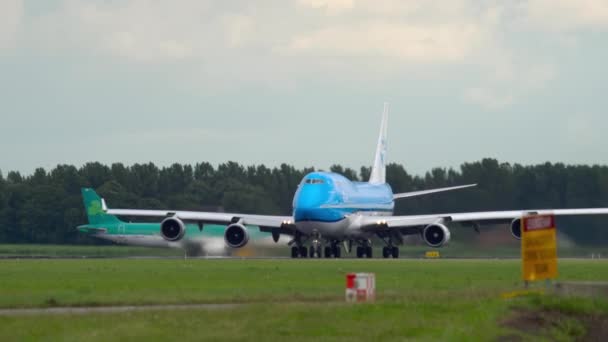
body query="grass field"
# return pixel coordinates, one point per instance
(286, 299)
(78, 251)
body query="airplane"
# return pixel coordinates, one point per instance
(330, 210)
(207, 240)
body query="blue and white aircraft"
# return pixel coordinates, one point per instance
(329, 210)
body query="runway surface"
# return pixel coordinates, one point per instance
(111, 309)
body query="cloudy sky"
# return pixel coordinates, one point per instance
(302, 81)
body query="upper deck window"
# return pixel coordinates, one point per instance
(314, 181)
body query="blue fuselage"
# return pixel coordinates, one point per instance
(330, 197)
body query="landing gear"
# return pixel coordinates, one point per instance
(391, 241)
(390, 251)
(333, 250)
(336, 250)
(364, 251)
(299, 252)
(315, 251)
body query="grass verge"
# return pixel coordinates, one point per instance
(288, 299)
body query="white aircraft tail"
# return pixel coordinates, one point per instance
(378, 175)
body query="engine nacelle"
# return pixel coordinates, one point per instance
(436, 235)
(236, 235)
(172, 229)
(516, 228)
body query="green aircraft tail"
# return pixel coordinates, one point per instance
(92, 205)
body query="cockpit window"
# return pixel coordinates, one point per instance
(314, 181)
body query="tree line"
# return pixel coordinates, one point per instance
(46, 206)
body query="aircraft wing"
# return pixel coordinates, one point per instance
(206, 217)
(91, 230)
(412, 223)
(431, 191)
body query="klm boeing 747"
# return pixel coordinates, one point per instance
(330, 211)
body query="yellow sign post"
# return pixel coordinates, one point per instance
(538, 248)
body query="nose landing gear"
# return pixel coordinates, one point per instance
(315, 251)
(315, 245)
(332, 248)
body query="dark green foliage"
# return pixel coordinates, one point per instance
(46, 206)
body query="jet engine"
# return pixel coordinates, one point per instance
(236, 235)
(172, 229)
(516, 228)
(436, 235)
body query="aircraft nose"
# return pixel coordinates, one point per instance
(308, 202)
(310, 197)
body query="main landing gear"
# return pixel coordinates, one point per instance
(390, 251)
(333, 250)
(365, 250)
(299, 252)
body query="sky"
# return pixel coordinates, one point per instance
(302, 82)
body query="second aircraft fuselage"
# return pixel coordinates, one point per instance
(325, 203)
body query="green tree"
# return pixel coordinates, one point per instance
(46, 206)
(95, 174)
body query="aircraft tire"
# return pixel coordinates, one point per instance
(303, 252)
(295, 251)
(385, 252)
(336, 251)
(328, 252)
(368, 252)
(359, 251)
(395, 252)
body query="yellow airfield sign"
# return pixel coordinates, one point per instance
(538, 247)
(432, 254)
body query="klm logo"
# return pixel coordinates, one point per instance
(382, 151)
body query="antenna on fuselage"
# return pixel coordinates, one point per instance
(378, 175)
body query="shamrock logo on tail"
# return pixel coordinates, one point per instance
(94, 209)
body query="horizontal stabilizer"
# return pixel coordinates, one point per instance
(91, 230)
(431, 191)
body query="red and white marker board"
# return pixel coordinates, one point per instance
(360, 287)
